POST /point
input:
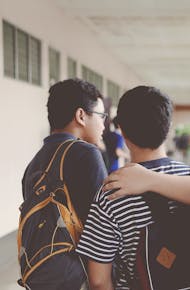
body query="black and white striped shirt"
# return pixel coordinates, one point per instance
(112, 229)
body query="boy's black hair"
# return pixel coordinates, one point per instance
(66, 97)
(144, 116)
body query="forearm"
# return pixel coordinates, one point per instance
(107, 286)
(136, 179)
(172, 186)
(99, 275)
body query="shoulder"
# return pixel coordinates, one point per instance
(85, 146)
(177, 167)
(179, 163)
(117, 206)
(88, 157)
(83, 149)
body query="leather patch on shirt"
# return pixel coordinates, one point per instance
(166, 258)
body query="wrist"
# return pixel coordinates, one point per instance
(154, 181)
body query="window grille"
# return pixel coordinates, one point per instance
(92, 77)
(54, 66)
(113, 92)
(71, 68)
(22, 55)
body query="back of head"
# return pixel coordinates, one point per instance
(66, 97)
(144, 116)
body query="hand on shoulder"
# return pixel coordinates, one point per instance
(128, 180)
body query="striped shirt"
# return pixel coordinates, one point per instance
(112, 230)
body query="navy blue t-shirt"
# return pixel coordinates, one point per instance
(84, 170)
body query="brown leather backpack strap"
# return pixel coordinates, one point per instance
(142, 278)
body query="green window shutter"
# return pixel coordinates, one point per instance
(99, 82)
(9, 49)
(54, 66)
(23, 56)
(35, 61)
(92, 77)
(113, 91)
(84, 73)
(71, 68)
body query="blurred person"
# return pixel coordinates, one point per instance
(182, 144)
(115, 146)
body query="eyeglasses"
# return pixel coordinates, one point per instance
(102, 115)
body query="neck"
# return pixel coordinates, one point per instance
(69, 130)
(146, 154)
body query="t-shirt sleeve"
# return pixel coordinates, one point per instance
(101, 238)
(85, 173)
(94, 169)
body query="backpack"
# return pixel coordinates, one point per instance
(163, 256)
(49, 231)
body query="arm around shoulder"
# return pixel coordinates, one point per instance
(100, 275)
(124, 181)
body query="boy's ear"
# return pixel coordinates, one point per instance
(80, 116)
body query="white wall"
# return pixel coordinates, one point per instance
(23, 125)
(23, 117)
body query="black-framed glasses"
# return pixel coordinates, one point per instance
(102, 115)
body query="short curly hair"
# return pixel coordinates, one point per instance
(144, 116)
(66, 97)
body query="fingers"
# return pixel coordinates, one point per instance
(110, 186)
(111, 178)
(120, 172)
(117, 194)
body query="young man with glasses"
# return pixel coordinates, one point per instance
(75, 112)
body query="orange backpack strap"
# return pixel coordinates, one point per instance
(52, 159)
(74, 224)
(67, 217)
(76, 227)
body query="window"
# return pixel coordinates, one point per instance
(92, 77)
(9, 49)
(113, 91)
(35, 59)
(22, 55)
(71, 68)
(54, 66)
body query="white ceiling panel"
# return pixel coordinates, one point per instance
(151, 37)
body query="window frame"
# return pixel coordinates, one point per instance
(93, 77)
(16, 71)
(71, 66)
(54, 52)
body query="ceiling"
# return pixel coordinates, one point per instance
(152, 37)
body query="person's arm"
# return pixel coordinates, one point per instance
(99, 275)
(136, 179)
(86, 166)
